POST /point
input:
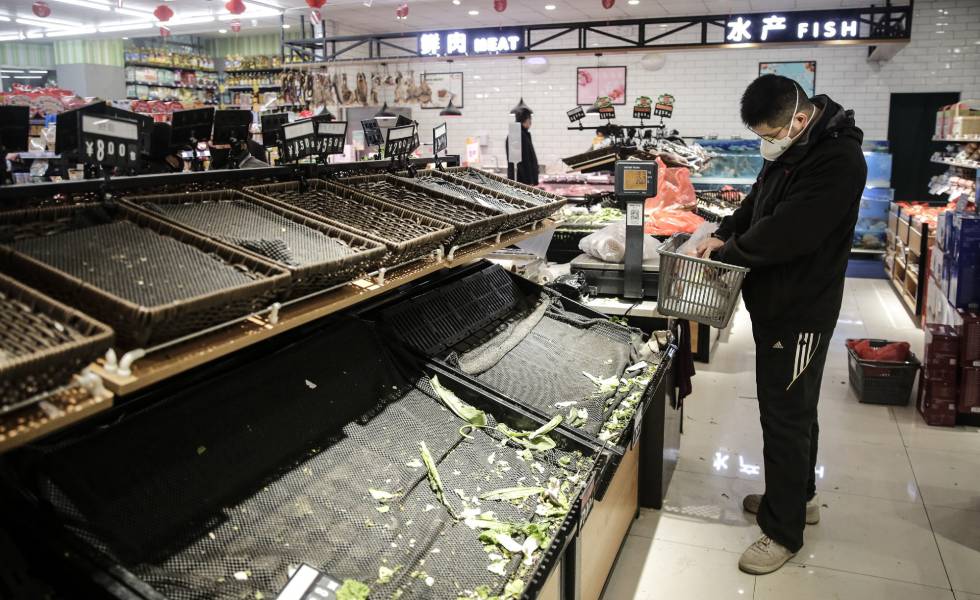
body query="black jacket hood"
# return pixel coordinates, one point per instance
(834, 121)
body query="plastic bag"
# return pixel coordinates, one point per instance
(609, 245)
(667, 222)
(674, 189)
(700, 234)
(890, 352)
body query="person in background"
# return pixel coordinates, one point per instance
(794, 232)
(527, 169)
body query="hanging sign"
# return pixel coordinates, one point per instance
(605, 107)
(330, 135)
(664, 106)
(401, 141)
(109, 141)
(795, 26)
(642, 108)
(502, 40)
(298, 140)
(440, 139)
(576, 114)
(515, 135)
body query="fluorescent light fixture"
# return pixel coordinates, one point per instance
(86, 4)
(473, 13)
(4, 19)
(265, 3)
(135, 12)
(70, 32)
(286, 25)
(45, 72)
(27, 77)
(34, 35)
(633, 2)
(222, 31)
(11, 70)
(47, 25)
(188, 21)
(124, 27)
(456, 2)
(550, 7)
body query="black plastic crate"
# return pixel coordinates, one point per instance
(879, 382)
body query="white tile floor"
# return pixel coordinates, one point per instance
(901, 500)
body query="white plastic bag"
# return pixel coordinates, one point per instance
(700, 234)
(609, 244)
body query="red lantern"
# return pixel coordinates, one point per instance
(41, 9)
(607, 4)
(402, 11)
(165, 31)
(235, 7)
(500, 5)
(316, 3)
(163, 13)
(235, 25)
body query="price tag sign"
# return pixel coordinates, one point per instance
(330, 136)
(643, 108)
(109, 141)
(664, 106)
(298, 140)
(576, 114)
(308, 583)
(607, 113)
(440, 138)
(401, 141)
(372, 132)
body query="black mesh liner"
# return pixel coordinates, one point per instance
(402, 195)
(134, 263)
(25, 331)
(259, 230)
(531, 349)
(465, 193)
(218, 491)
(474, 176)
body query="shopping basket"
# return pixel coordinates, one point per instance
(698, 289)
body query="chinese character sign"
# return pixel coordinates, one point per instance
(792, 27)
(471, 41)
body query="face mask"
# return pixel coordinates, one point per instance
(771, 150)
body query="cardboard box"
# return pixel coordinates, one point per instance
(970, 391)
(964, 279)
(967, 326)
(940, 389)
(941, 341)
(935, 411)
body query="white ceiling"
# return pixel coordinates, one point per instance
(81, 19)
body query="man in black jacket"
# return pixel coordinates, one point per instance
(527, 168)
(794, 231)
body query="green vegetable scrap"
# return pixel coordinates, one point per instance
(546, 428)
(541, 443)
(435, 482)
(381, 495)
(578, 417)
(604, 386)
(353, 590)
(470, 414)
(512, 493)
(385, 574)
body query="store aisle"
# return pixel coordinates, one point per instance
(900, 500)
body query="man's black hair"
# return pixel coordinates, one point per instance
(769, 100)
(522, 115)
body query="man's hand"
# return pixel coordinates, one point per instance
(706, 247)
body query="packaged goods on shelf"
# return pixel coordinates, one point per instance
(969, 401)
(317, 254)
(345, 458)
(964, 155)
(959, 120)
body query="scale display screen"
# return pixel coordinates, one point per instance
(636, 179)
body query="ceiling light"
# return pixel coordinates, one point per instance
(47, 21)
(86, 4)
(222, 31)
(124, 27)
(33, 35)
(473, 13)
(520, 106)
(450, 110)
(68, 32)
(286, 26)
(11, 70)
(456, 2)
(255, 22)
(367, 3)
(9, 37)
(28, 77)
(550, 7)
(633, 2)
(45, 72)
(189, 21)
(51, 25)
(3, 18)
(384, 113)
(135, 12)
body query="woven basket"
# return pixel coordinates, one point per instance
(525, 192)
(44, 343)
(407, 235)
(137, 325)
(366, 256)
(472, 222)
(529, 211)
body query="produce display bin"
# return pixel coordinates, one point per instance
(317, 254)
(880, 382)
(472, 222)
(530, 346)
(516, 189)
(520, 211)
(43, 343)
(406, 235)
(150, 280)
(347, 459)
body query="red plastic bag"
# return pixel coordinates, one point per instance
(891, 352)
(674, 189)
(667, 221)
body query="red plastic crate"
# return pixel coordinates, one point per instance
(941, 340)
(970, 390)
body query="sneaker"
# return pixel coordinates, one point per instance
(750, 504)
(764, 556)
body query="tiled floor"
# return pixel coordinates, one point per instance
(901, 500)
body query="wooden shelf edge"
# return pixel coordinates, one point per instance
(22, 426)
(187, 355)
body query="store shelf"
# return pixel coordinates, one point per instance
(192, 353)
(250, 87)
(169, 67)
(56, 411)
(173, 86)
(954, 163)
(265, 70)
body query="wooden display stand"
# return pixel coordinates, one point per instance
(909, 243)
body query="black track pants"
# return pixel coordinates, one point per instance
(788, 370)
